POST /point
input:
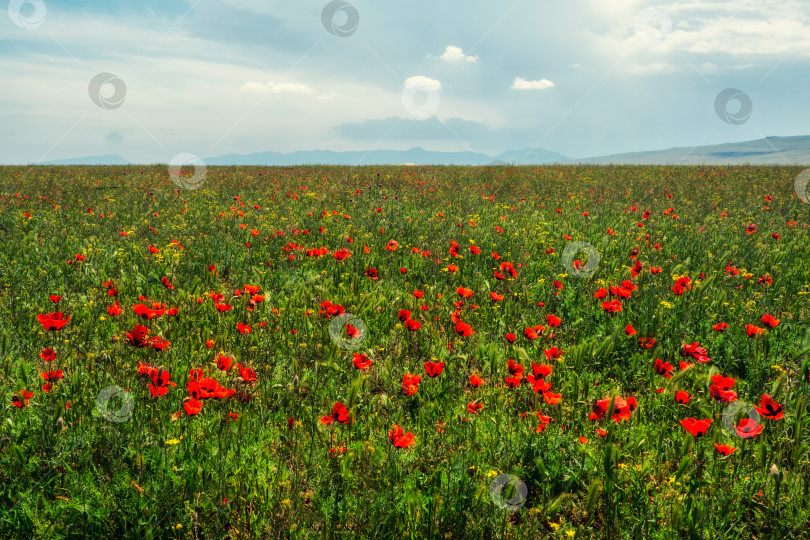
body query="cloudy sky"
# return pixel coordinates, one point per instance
(149, 79)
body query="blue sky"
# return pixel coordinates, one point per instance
(211, 77)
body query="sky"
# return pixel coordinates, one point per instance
(152, 79)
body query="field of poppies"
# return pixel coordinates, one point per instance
(409, 352)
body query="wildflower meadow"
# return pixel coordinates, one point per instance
(567, 352)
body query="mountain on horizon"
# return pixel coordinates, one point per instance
(111, 159)
(794, 150)
(768, 151)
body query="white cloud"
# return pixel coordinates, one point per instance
(650, 69)
(420, 82)
(714, 69)
(737, 28)
(454, 54)
(278, 88)
(522, 84)
(574, 66)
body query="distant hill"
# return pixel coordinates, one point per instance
(417, 156)
(111, 159)
(768, 151)
(531, 156)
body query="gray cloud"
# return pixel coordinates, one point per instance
(114, 137)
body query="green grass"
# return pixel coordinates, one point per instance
(144, 468)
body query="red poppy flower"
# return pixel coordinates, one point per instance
(629, 330)
(614, 306)
(463, 329)
(621, 292)
(246, 374)
(243, 328)
(361, 361)
(224, 362)
(192, 406)
(399, 438)
(495, 297)
(138, 336)
(452, 268)
(552, 398)
(696, 427)
(553, 353)
(663, 368)
(720, 327)
(769, 408)
(601, 294)
(434, 369)
(682, 397)
(418, 294)
(166, 283)
(646, 342)
(748, 428)
(515, 369)
(115, 309)
(371, 273)
(466, 293)
(725, 450)
(544, 420)
(21, 400)
(54, 298)
(474, 407)
(509, 268)
(413, 325)
(339, 413)
(158, 343)
(52, 376)
(146, 313)
(476, 381)
(622, 409)
(53, 321)
(47, 354)
(753, 331)
(351, 331)
(553, 321)
(770, 321)
(410, 384)
(404, 315)
(511, 337)
(695, 351)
